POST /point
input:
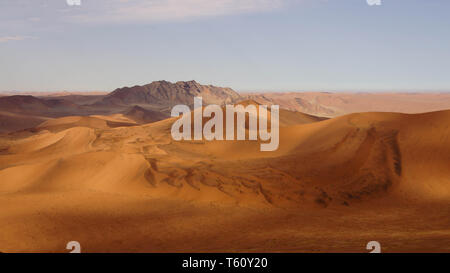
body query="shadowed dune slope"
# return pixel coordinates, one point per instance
(141, 115)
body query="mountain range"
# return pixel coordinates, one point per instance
(146, 103)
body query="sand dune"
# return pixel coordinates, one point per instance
(94, 122)
(360, 156)
(366, 176)
(141, 115)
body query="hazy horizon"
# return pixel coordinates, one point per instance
(237, 90)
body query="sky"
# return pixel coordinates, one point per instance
(248, 45)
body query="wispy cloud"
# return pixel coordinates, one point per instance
(4, 39)
(120, 11)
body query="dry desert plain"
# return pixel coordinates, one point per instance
(332, 186)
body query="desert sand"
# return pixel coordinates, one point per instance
(332, 186)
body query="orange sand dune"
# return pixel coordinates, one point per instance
(332, 185)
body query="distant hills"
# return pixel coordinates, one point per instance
(26, 104)
(328, 104)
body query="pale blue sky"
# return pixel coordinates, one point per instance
(249, 45)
